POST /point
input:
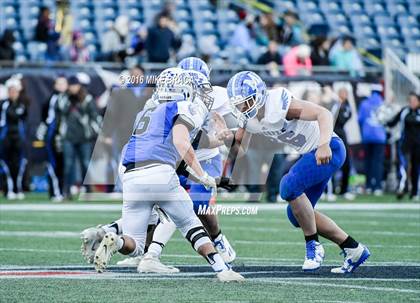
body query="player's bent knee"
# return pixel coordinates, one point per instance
(291, 217)
(197, 236)
(288, 189)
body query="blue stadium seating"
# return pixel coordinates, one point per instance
(374, 23)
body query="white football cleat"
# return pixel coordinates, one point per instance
(11, 196)
(315, 255)
(105, 251)
(229, 275)
(20, 196)
(91, 238)
(353, 258)
(130, 262)
(57, 199)
(224, 248)
(150, 263)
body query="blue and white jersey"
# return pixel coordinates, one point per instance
(152, 139)
(301, 135)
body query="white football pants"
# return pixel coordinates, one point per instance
(145, 187)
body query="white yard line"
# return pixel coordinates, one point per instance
(277, 206)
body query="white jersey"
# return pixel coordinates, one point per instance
(222, 107)
(303, 136)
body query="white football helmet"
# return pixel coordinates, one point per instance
(175, 84)
(247, 94)
(203, 88)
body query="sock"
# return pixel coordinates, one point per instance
(155, 248)
(114, 227)
(163, 232)
(312, 237)
(120, 243)
(349, 243)
(218, 237)
(216, 262)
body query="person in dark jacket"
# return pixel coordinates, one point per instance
(43, 27)
(6, 46)
(373, 139)
(320, 51)
(409, 145)
(342, 111)
(79, 127)
(161, 39)
(13, 138)
(48, 132)
(271, 55)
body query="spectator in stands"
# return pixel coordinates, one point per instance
(298, 61)
(6, 45)
(78, 52)
(373, 139)
(80, 124)
(292, 31)
(320, 51)
(44, 25)
(48, 132)
(161, 39)
(342, 110)
(115, 41)
(409, 146)
(45, 33)
(271, 55)
(138, 41)
(344, 56)
(267, 29)
(242, 39)
(13, 113)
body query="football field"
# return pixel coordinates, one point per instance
(40, 260)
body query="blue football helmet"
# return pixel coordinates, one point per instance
(247, 93)
(194, 63)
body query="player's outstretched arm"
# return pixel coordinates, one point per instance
(304, 110)
(181, 140)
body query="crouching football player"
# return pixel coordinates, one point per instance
(308, 128)
(160, 139)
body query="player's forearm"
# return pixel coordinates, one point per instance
(188, 155)
(326, 126)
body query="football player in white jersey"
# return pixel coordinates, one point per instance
(308, 128)
(161, 137)
(211, 162)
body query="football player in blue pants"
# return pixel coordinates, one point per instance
(308, 128)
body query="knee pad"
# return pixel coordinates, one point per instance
(289, 189)
(197, 236)
(291, 217)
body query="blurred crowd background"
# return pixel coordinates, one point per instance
(61, 60)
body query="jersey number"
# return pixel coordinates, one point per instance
(289, 137)
(143, 123)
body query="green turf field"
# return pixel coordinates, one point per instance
(50, 238)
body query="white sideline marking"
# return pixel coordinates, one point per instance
(277, 206)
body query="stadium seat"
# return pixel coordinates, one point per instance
(360, 19)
